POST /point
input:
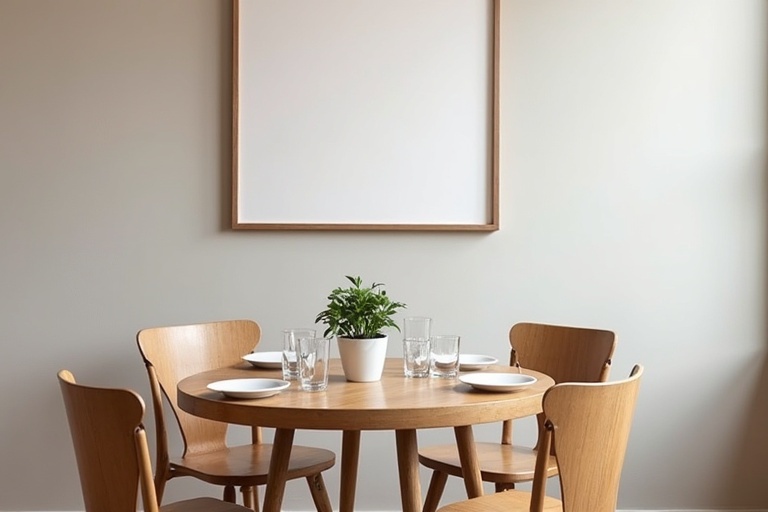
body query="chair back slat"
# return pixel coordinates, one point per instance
(567, 354)
(176, 352)
(590, 426)
(103, 424)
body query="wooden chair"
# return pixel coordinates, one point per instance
(173, 353)
(112, 453)
(567, 354)
(588, 424)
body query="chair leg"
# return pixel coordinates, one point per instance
(229, 494)
(319, 493)
(250, 497)
(161, 478)
(160, 489)
(502, 486)
(435, 491)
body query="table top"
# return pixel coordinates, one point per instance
(394, 402)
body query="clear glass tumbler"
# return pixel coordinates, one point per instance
(290, 346)
(314, 358)
(416, 334)
(416, 358)
(444, 356)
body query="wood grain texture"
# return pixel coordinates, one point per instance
(174, 352)
(588, 425)
(565, 353)
(112, 453)
(350, 458)
(393, 403)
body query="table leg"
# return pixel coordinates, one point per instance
(408, 466)
(350, 455)
(278, 469)
(470, 467)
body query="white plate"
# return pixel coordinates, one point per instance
(249, 388)
(469, 362)
(272, 360)
(498, 381)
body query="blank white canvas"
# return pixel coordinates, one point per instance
(364, 111)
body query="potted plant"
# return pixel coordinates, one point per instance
(356, 315)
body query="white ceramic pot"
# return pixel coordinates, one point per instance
(362, 359)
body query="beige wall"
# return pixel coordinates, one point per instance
(632, 198)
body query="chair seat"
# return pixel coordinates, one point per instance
(499, 463)
(248, 465)
(202, 505)
(507, 501)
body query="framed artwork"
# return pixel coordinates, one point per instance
(366, 115)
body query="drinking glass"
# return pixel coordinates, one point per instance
(444, 356)
(416, 358)
(314, 357)
(290, 346)
(416, 331)
(417, 328)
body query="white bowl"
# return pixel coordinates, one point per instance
(503, 382)
(469, 362)
(249, 388)
(270, 360)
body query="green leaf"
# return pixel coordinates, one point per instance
(359, 312)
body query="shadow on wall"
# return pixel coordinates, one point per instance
(748, 476)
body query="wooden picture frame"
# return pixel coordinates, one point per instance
(376, 115)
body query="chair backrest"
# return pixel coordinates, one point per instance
(176, 352)
(110, 446)
(567, 354)
(588, 425)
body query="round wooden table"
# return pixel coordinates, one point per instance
(393, 403)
